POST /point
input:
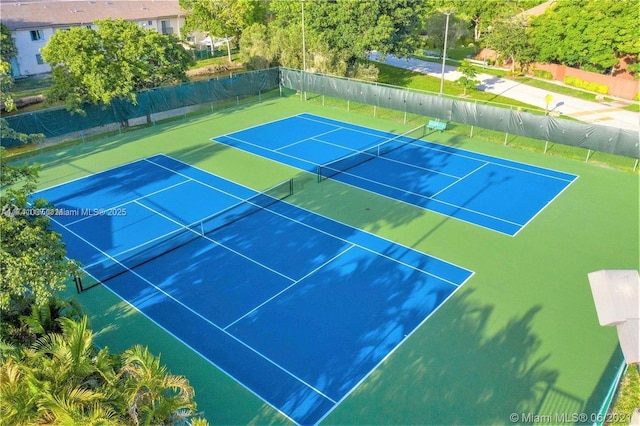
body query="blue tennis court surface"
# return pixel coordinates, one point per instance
(295, 306)
(494, 193)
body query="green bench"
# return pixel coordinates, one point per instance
(437, 125)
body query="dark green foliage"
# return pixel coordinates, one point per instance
(592, 35)
(111, 62)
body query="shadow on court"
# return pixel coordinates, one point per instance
(513, 377)
(361, 208)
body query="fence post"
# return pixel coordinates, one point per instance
(506, 133)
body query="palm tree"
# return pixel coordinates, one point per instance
(71, 356)
(60, 379)
(75, 406)
(153, 395)
(18, 404)
(63, 379)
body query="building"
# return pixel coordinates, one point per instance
(33, 22)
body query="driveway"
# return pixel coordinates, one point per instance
(607, 114)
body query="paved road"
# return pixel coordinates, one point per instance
(608, 114)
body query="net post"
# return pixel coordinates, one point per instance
(78, 282)
(635, 165)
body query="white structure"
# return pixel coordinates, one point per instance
(616, 294)
(33, 22)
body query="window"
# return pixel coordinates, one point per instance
(39, 59)
(149, 23)
(36, 35)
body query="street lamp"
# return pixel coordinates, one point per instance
(304, 55)
(444, 53)
(304, 49)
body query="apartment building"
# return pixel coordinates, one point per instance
(33, 22)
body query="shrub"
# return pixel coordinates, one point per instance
(543, 74)
(587, 85)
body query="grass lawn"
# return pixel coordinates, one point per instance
(520, 338)
(218, 60)
(30, 86)
(415, 80)
(627, 399)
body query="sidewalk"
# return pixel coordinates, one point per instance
(591, 112)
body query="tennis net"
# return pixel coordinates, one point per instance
(129, 259)
(343, 164)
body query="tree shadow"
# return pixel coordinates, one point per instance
(372, 211)
(455, 370)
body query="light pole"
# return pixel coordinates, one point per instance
(304, 55)
(444, 53)
(304, 49)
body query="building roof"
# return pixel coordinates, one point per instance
(28, 14)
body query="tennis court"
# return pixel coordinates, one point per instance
(295, 306)
(490, 192)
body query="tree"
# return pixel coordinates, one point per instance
(33, 264)
(592, 35)
(257, 52)
(226, 18)
(7, 52)
(435, 27)
(509, 37)
(63, 379)
(57, 379)
(339, 34)
(353, 28)
(153, 396)
(467, 81)
(111, 62)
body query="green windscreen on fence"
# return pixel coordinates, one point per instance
(57, 122)
(54, 122)
(543, 127)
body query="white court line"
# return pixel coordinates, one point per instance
(425, 197)
(297, 142)
(458, 181)
(547, 205)
(202, 317)
(132, 201)
(289, 287)
(367, 248)
(192, 179)
(217, 242)
(461, 152)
